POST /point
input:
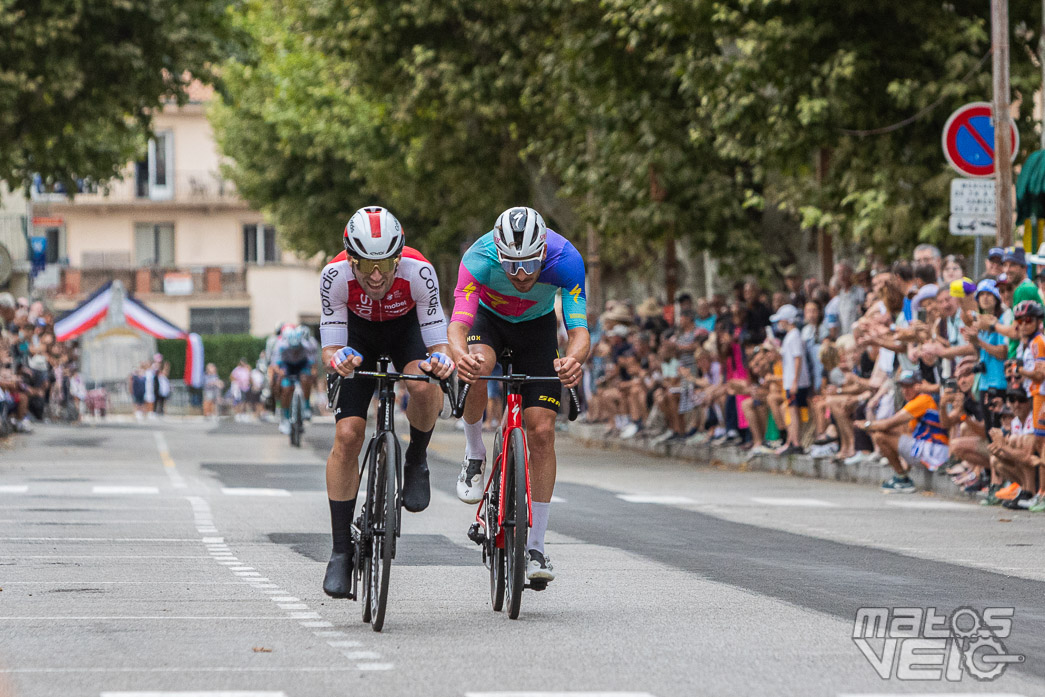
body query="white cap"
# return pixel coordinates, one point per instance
(786, 313)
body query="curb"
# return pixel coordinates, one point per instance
(728, 457)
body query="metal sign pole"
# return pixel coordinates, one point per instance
(1002, 121)
(977, 257)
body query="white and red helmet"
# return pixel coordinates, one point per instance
(519, 233)
(374, 233)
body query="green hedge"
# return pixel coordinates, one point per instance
(224, 350)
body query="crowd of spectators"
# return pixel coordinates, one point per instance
(39, 377)
(912, 365)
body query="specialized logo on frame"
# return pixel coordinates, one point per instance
(913, 643)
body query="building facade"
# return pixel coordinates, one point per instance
(177, 235)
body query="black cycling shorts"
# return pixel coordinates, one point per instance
(535, 346)
(399, 339)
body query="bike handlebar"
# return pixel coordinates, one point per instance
(575, 404)
(334, 382)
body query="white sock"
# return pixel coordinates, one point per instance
(535, 540)
(475, 449)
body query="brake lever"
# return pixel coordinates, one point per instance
(333, 389)
(458, 411)
(575, 404)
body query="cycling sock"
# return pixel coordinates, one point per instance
(341, 513)
(415, 452)
(286, 413)
(535, 540)
(475, 449)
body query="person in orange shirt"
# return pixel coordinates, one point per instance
(1028, 315)
(914, 435)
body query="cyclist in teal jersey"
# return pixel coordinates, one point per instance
(505, 298)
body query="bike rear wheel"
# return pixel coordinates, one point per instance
(384, 524)
(516, 522)
(297, 424)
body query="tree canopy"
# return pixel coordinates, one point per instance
(647, 119)
(79, 80)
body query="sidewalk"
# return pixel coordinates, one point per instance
(871, 473)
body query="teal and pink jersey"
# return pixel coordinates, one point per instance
(482, 281)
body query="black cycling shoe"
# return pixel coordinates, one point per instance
(417, 492)
(338, 580)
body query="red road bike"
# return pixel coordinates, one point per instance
(503, 518)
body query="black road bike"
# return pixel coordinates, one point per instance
(378, 525)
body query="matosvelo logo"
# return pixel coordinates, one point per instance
(913, 643)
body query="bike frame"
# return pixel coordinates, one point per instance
(512, 419)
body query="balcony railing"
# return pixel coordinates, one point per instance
(214, 281)
(199, 187)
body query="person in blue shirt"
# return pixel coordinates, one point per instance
(992, 346)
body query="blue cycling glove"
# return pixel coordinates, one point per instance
(342, 355)
(442, 359)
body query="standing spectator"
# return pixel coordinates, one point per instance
(796, 379)
(163, 387)
(756, 315)
(239, 378)
(150, 387)
(793, 283)
(212, 387)
(1016, 272)
(994, 266)
(927, 254)
(953, 268)
(849, 296)
(703, 317)
(136, 385)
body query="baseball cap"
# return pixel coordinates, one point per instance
(786, 313)
(995, 252)
(1015, 255)
(907, 377)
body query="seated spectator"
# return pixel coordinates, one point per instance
(912, 436)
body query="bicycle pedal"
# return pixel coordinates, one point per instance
(476, 534)
(537, 585)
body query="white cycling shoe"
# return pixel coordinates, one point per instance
(539, 567)
(284, 426)
(470, 481)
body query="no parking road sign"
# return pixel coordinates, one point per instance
(968, 140)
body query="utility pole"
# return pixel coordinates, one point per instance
(593, 272)
(1002, 121)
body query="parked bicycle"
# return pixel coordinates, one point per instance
(503, 518)
(378, 525)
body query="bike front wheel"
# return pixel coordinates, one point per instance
(516, 522)
(494, 552)
(384, 522)
(297, 424)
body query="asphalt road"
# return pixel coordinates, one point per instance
(185, 558)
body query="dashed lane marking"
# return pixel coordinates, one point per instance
(557, 694)
(797, 502)
(250, 491)
(375, 666)
(665, 499)
(14, 489)
(223, 693)
(126, 490)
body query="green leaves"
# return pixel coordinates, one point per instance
(78, 80)
(700, 120)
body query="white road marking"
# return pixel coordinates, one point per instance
(246, 574)
(346, 644)
(102, 539)
(223, 693)
(785, 501)
(213, 540)
(136, 618)
(292, 606)
(361, 655)
(331, 633)
(557, 694)
(126, 490)
(241, 568)
(188, 670)
(375, 666)
(285, 599)
(14, 489)
(249, 491)
(666, 499)
(303, 615)
(926, 694)
(931, 505)
(267, 585)
(317, 624)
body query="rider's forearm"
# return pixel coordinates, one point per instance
(457, 335)
(578, 345)
(440, 348)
